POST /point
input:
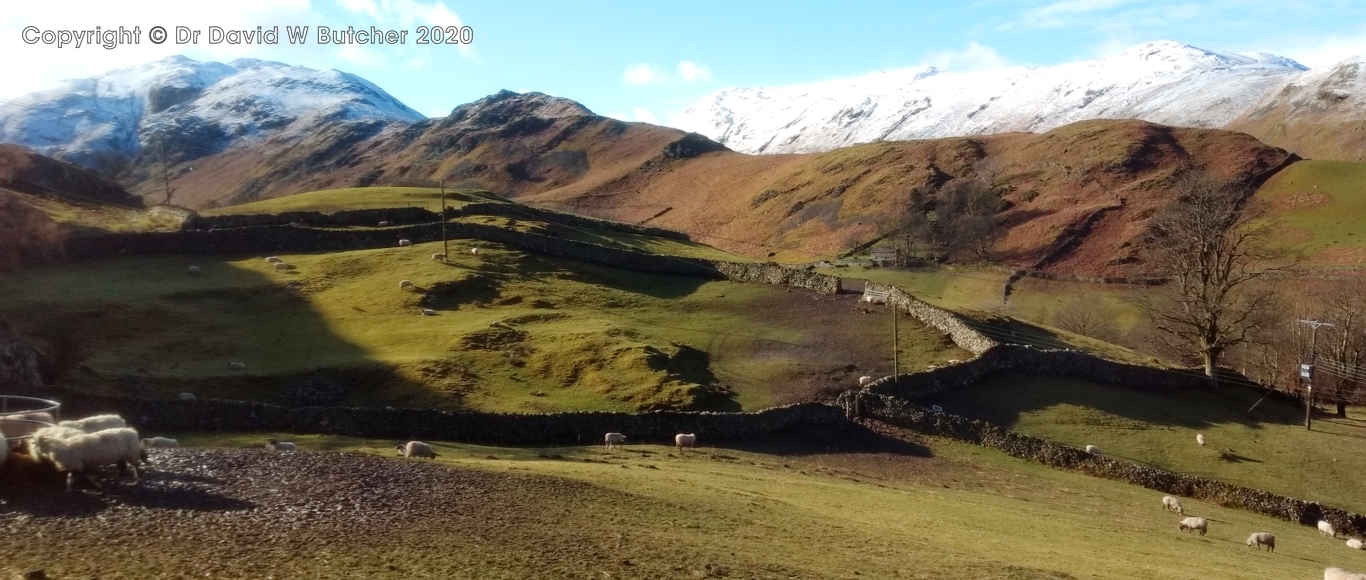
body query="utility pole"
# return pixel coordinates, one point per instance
(1307, 371)
(445, 245)
(896, 366)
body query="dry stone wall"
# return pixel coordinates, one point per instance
(577, 428)
(903, 413)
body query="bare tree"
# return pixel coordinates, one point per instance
(967, 217)
(1345, 307)
(1211, 251)
(917, 232)
(1087, 316)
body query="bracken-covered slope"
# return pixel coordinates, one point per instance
(1319, 115)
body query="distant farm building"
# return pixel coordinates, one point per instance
(885, 256)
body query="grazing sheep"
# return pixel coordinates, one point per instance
(283, 267)
(159, 443)
(474, 251)
(612, 439)
(83, 452)
(864, 380)
(416, 449)
(1326, 529)
(1193, 525)
(1259, 539)
(1340, 574)
(193, 270)
(685, 440)
(405, 242)
(186, 396)
(438, 257)
(1200, 438)
(405, 284)
(95, 423)
(1093, 450)
(25, 424)
(384, 223)
(428, 312)
(39, 444)
(1172, 504)
(237, 366)
(277, 445)
(1355, 544)
(274, 260)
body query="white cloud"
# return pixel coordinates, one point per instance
(407, 14)
(1331, 51)
(645, 116)
(973, 57)
(360, 55)
(618, 115)
(643, 74)
(690, 71)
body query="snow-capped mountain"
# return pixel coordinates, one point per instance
(1162, 82)
(200, 107)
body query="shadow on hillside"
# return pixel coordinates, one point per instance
(1004, 397)
(850, 438)
(145, 328)
(653, 285)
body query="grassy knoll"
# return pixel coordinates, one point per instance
(574, 336)
(1321, 206)
(1266, 449)
(929, 509)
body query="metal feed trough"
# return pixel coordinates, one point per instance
(13, 405)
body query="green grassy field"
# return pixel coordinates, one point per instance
(575, 336)
(1266, 449)
(1321, 206)
(330, 200)
(926, 509)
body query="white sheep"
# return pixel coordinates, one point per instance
(1340, 574)
(95, 423)
(428, 312)
(186, 396)
(1326, 529)
(1170, 503)
(612, 439)
(237, 366)
(384, 223)
(159, 443)
(193, 269)
(1259, 539)
(416, 449)
(273, 260)
(682, 440)
(1355, 544)
(283, 267)
(405, 284)
(83, 452)
(1194, 525)
(864, 380)
(277, 445)
(40, 443)
(25, 424)
(1093, 450)
(474, 251)
(405, 242)
(1200, 438)
(438, 257)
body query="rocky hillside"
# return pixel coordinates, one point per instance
(1321, 114)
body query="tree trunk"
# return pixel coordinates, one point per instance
(1342, 409)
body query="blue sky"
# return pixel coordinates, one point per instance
(643, 60)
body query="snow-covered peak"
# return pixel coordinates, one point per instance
(202, 106)
(1164, 82)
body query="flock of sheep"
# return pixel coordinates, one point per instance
(681, 441)
(77, 447)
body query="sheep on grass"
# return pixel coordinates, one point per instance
(405, 284)
(193, 270)
(83, 452)
(186, 396)
(1259, 539)
(95, 423)
(1340, 574)
(273, 260)
(277, 445)
(682, 440)
(438, 257)
(159, 443)
(405, 242)
(1093, 450)
(1326, 529)
(1355, 544)
(1194, 525)
(237, 366)
(416, 449)
(1172, 504)
(864, 380)
(612, 439)
(1200, 438)
(428, 312)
